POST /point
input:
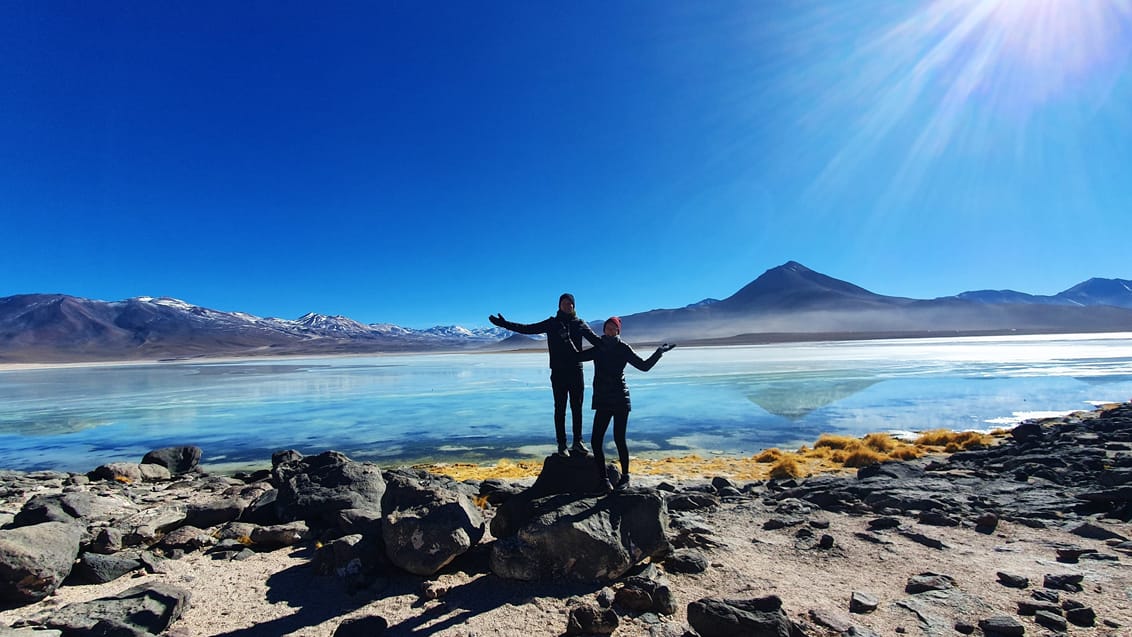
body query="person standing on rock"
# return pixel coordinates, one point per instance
(611, 394)
(564, 333)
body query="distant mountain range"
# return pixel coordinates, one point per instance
(788, 302)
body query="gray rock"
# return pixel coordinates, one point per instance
(146, 609)
(716, 617)
(1013, 581)
(426, 523)
(929, 582)
(177, 460)
(587, 619)
(68, 507)
(691, 501)
(215, 512)
(148, 525)
(686, 561)
(186, 538)
(641, 594)
(131, 472)
(94, 568)
(861, 603)
(831, 621)
(1053, 621)
(1067, 582)
(280, 535)
(1028, 608)
(34, 560)
(1081, 616)
(584, 539)
(1002, 626)
(315, 488)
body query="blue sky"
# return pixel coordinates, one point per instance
(426, 164)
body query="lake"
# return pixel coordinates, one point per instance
(402, 409)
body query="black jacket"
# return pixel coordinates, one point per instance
(611, 392)
(564, 334)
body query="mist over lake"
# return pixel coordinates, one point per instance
(403, 409)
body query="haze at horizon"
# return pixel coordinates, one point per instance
(421, 167)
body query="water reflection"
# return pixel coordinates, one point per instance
(469, 407)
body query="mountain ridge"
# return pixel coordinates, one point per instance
(784, 300)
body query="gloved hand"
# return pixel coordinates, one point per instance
(497, 320)
(666, 347)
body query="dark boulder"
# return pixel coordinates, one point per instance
(177, 460)
(427, 523)
(146, 609)
(315, 488)
(762, 617)
(583, 538)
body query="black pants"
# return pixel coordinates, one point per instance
(568, 384)
(597, 441)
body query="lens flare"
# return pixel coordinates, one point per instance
(966, 78)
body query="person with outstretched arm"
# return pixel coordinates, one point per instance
(564, 333)
(611, 394)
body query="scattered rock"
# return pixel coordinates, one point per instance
(686, 561)
(587, 619)
(146, 609)
(1002, 626)
(1013, 581)
(761, 617)
(861, 603)
(929, 582)
(34, 560)
(1068, 582)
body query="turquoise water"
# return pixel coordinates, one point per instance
(481, 407)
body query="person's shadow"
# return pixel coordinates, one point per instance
(320, 599)
(483, 593)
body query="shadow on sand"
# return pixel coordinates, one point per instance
(321, 599)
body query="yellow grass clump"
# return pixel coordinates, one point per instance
(953, 441)
(787, 467)
(864, 457)
(883, 443)
(774, 454)
(833, 441)
(830, 453)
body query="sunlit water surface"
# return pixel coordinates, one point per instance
(481, 407)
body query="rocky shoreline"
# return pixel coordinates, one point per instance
(1024, 537)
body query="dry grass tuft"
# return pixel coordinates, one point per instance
(833, 441)
(787, 467)
(883, 443)
(774, 454)
(906, 452)
(864, 457)
(952, 441)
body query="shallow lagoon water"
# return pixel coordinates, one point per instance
(400, 409)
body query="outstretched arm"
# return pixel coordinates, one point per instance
(589, 335)
(643, 364)
(542, 327)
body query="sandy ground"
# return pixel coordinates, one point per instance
(276, 593)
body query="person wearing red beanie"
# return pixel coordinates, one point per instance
(611, 395)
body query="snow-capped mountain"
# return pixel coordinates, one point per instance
(57, 327)
(787, 300)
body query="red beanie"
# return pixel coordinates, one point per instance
(616, 320)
